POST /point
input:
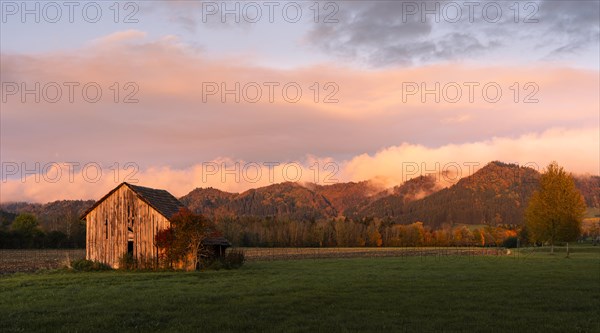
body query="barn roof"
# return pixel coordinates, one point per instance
(162, 201)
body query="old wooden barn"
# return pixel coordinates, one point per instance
(126, 221)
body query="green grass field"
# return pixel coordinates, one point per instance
(530, 292)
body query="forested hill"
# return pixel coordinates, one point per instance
(285, 200)
(495, 194)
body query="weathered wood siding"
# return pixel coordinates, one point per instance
(107, 228)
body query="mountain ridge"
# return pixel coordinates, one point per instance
(495, 194)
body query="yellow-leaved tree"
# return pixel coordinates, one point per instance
(556, 209)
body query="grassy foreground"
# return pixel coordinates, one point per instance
(534, 293)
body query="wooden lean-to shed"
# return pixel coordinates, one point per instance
(126, 221)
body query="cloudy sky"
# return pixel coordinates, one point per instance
(235, 95)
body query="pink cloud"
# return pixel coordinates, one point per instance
(368, 133)
(388, 167)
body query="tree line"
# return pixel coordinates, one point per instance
(25, 233)
(345, 232)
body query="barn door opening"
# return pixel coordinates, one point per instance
(130, 248)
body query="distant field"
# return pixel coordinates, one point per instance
(12, 261)
(528, 291)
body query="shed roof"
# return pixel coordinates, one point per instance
(220, 241)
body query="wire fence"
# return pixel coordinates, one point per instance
(287, 253)
(291, 253)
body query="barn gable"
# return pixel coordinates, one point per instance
(126, 221)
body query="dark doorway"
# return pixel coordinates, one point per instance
(130, 248)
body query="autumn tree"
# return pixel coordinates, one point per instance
(414, 234)
(374, 236)
(182, 241)
(478, 237)
(462, 236)
(556, 209)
